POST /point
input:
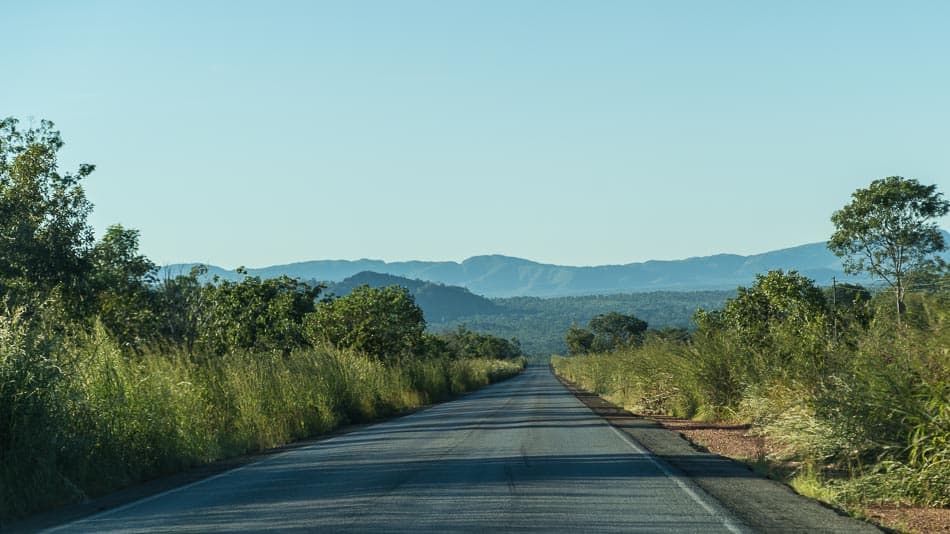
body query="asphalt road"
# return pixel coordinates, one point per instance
(524, 454)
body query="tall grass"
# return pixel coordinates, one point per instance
(79, 417)
(878, 410)
(660, 377)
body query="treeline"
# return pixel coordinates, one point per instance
(854, 388)
(539, 323)
(110, 375)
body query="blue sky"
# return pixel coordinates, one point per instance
(580, 133)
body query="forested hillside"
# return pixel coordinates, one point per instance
(537, 323)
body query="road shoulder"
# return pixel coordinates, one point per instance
(763, 504)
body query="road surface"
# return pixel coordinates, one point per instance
(522, 455)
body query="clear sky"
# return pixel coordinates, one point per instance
(580, 133)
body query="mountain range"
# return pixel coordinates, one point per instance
(504, 276)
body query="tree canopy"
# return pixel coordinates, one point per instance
(605, 332)
(44, 234)
(615, 330)
(889, 229)
(384, 322)
(578, 340)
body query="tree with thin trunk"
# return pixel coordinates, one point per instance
(889, 230)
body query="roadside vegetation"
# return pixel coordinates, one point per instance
(109, 375)
(853, 384)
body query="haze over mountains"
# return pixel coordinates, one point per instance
(503, 276)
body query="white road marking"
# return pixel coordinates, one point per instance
(694, 493)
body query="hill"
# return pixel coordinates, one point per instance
(440, 303)
(503, 276)
(538, 323)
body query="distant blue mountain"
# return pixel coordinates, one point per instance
(503, 276)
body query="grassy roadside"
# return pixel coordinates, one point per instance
(113, 420)
(780, 442)
(740, 443)
(761, 504)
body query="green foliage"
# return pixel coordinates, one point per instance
(896, 482)
(850, 310)
(122, 281)
(463, 343)
(92, 419)
(785, 412)
(180, 310)
(578, 340)
(540, 323)
(254, 315)
(889, 230)
(781, 324)
(109, 376)
(616, 330)
(776, 300)
(383, 322)
(649, 379)
(606, 332)
(31, 389)
(823, 373)
(44, 236)
(669, 333)
(892, 397)
(876, 406)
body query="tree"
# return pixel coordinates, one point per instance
(122, 283)
(776, 299)
(889, 230)
(781, 321)
(578, 340)
(615, 330)
(385, 323)
(463, 343)
(850, 308)
(44, 236)
(182, 307)
(255, 314)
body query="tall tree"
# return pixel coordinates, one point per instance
(44, 234)
(778, 303)
(121, 279)
(616, 330)
(889, 230)
(385, 322)
(255, 314)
